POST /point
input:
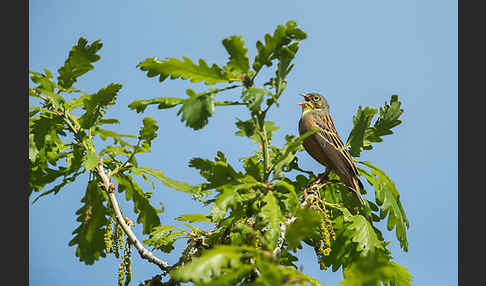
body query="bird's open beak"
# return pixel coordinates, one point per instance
(306, 99)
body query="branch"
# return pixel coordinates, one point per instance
(310, 193)
(281, 238)
(110, 189)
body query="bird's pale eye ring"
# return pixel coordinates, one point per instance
(315, 98)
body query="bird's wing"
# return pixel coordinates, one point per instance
(339, 154)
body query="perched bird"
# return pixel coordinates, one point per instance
(325, 146)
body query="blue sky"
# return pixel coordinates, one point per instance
(356, 53)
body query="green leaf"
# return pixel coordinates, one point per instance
(388, 198)
(104, 134)
(197, 109)
(281, 37)
(376, 270)
(388, 118)
(193, 218)
(294, 275)
(228, 198)
(307, 225)
(78, 62)
(253, 167)
(343, 251)
(66, 180)
(44, 82)
(272, 216)
(178, 186)
(358, 138)
(163, 237)
(185, 69)
(248, 129)
(109, 121)
(364, 235)
(232, 195)
(363, 134)
(90, 160)
(94, 104)
(230, 276)
(270, 274)
(285, 57)
(33, 151)
(148, 132)
(210, 265)
(89, 235)
(147, 213)
(287, 153)
(238, 61)
(163, 103)
(217, 173)
(253, 97)
(45, 130)
(286, 196)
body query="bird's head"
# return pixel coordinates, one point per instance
(314, 101)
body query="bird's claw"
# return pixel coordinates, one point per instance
(324, 177)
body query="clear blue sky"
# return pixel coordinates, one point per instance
(357, 53)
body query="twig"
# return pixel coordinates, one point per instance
(110, 189)
(308, 195)
(281, 238)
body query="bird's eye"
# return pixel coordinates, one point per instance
(315, 98)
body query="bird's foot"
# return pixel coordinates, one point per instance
(322, 177)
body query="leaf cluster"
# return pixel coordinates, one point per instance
(259, 215)
(61, 149)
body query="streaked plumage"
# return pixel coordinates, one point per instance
(326, 146)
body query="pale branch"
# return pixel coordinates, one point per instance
(184, 255)
(110, 189)
(309, 194)
(281, 238)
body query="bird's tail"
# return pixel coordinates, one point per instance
(357, 186)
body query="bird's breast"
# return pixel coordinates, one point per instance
(311, 145)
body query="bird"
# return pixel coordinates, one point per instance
(325, 146)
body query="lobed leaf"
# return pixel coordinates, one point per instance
(141, 204)
(272, 216)
(94, 104)
(209, 266)
(89, 235)
(238, 60)
(358, 139)
(197, 109)
(217, 173)
(376, 270)
(388, 198)
(185, 69)
(227, 198)
(287, 153)
(364, 234)
(172, 184)
(148, 132)
(363, 134)
(293, 274)
(281, 37)
(253, 97)
(163, 103)
(90, 160)
(163, 237)
(117, 138)
(78, 62)
(248, 129)
(307, 225)
(193, 218)
(285, 57)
